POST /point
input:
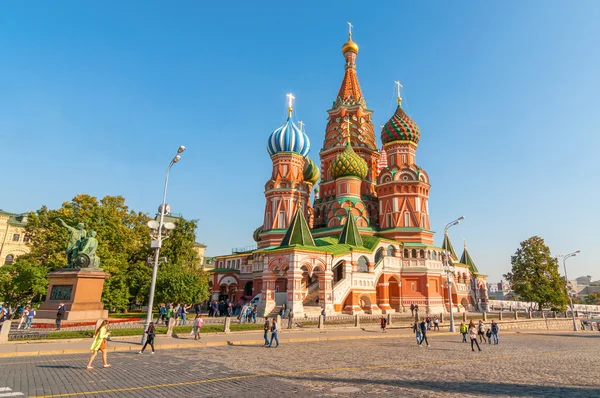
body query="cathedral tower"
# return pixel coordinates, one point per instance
(349, 121)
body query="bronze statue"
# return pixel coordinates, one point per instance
(76, 238)
(81, 247)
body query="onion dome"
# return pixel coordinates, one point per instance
(350, 46)
(311, 172)
(400, 128)
(349, 164)
(288, 138)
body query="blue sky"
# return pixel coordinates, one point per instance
(96, 97)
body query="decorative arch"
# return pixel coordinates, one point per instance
(379, 254)
(390, 251)
(406, 253)
(248, 287)
(363, 264)
(278, 262)
(9, 259)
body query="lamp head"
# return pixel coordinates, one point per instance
(169, 226)
(176, 158)
(461, 218)
(181, 149)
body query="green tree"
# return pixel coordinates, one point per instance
(534, 275)
(593, 298)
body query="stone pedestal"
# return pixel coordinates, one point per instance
(81, 291)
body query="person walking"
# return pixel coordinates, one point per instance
(488, 334)
(168, 315)
(99, 344)
(184, 312)
(229, 309)
(24, 314)
(496, 329)
(473, 332)
(383, 323)
(428, 321)
(274, 334)
(417, 332)
(423, 327)
(30, 316)
(436, 323)
(290, 319)
(282, 311)
(266, 327)
(243, 315)
(162, 313)
(254, 311)
(198, 322)
(60, 314)
(463, 331)
(412, 310)
(481, 331)
(151, 332)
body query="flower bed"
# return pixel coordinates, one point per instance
(76, 324)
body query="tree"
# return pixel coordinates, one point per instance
(534, 275)
(593, 298)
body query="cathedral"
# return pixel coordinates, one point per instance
(365, 244)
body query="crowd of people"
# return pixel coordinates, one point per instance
(477, 333)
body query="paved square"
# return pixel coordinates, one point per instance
(522, 365)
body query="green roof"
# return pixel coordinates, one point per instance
(225, 270)
(298, 232)
(466, 259)
(15, 219)
(447, 246)
(350, 234)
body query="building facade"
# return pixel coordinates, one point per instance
(365, 244)
(13, 241)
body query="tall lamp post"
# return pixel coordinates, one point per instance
(565, 257)
(157, 243)
(449, 268)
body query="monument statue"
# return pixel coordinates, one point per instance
(76, 238)
(81, 247)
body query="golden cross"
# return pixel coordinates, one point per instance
(350, 29)
(398, 85)
(290, 98)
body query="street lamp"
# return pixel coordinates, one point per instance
(157, 243)
(449, 268)
(565, 257)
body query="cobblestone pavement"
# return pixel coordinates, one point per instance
(522, 365)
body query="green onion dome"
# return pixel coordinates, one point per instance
(400, 128)
(311, 171)
(349, 164)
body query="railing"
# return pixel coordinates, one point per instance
(241, 250)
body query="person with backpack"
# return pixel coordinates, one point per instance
(495, 329)
(30, 316)
(266, 327)
(428, 321)
(481, 331)
(473, 332)
(463, 331)
(423, 327)
(254, 311)
(274, 334)
(151, 332)
(60, 314)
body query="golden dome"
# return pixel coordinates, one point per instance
(350, 46)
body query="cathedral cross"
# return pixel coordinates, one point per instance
(301, 123)
(290, 99)
(399, 86)
(350, 29)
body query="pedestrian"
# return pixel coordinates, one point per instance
(290, 319)
(436, 323)
(323, 314)
(229, 309)
(495, 330)
(60, 314)
(254, 311)
(198, 322)
(417, 332)
(412, 310)
(274, 334)
(473, 332)
(488, 334)
(463, 331)
(23, 316)
(266, 327)
(243, 315)
(428, 321)
(416, 309)
(423, 327)
(481, 331)
(151, 332)
(168, 315)
(282, 311)
(184, 312)
(162, 313)
(99, 344)
(383, 323)
(197, 309)
(30, 316)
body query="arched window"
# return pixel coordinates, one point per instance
(238, 264)
(429, 254)
(435, 255)
(390, 251)
(422, 254)
(338, 272)
(414, 253)
(379, 254)
(405, 253)
(9, 259)
(363, 264)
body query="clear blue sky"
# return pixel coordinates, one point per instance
(95, 97)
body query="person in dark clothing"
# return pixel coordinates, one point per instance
(412, 309)
(267, 327)
(60, 314)
(151, 332)
(383, 323)
(423, 327)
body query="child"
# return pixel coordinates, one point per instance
(198, 322)
(463, 331)
(383, 323)
(488, 334)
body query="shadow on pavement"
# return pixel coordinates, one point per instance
(582, 335)
(465, 387)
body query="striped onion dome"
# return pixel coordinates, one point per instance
(311, 172)
(400, 128)
(349, 164)
(288, 138)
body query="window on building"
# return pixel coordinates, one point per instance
(406, 219)
(238, 264)
(423, 220)
(281, 220)
(9, 259)
(388, 220)
(363, 264)
(16, 237)
(395, 204)
(417, 204)
(26, 239)
(413, 287)
(405, 253)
